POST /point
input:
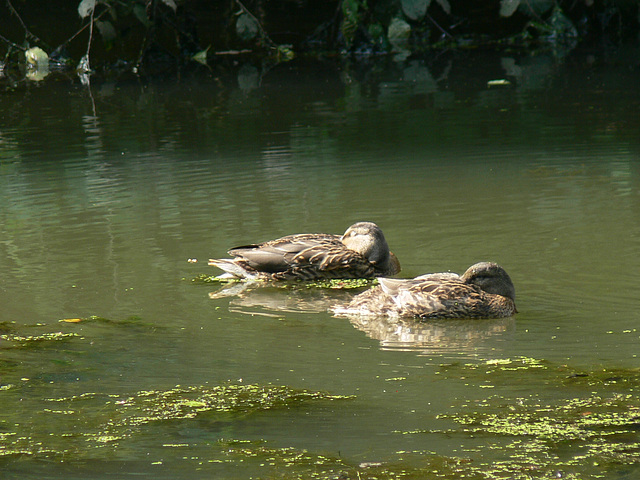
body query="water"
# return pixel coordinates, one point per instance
(105, 194)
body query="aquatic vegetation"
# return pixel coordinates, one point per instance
(131, 320)
(205, 278)
(573, 419)
(187, 402)
(585, 420)
(569, 434)
(496, 372)
(292, 463)
(592, 421)
(334, 283)
(99, 419)
(340, 284)
(18, 336)
(520, 438)
(43, 338)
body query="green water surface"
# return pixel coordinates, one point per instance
(115, 363)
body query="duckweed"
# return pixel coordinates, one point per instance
(341, 284)
(567, 435)
(585, 421)
(593, 420)
(205, 278)
(30, 340)
(187, 402)
(334, 283)
(98, 420)
(292, 463)
(498, 372)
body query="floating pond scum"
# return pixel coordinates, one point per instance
(598, 427)
(99, 420)
(332, 283)
(594, 422)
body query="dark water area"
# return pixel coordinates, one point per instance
(107, 190)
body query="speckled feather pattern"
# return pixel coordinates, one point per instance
(311, 256)
(437, 296)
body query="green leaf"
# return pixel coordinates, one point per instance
(350, 10)
(141, 14)
(36, 56)
(562, 27)
(508, 7)
(284, 53)
(171, 4)
(415, 9)
(201, 57)
(106, 30)
(86, 8)
(535, 8)
(446, 6)
(246, 27)
(399, 30)
(38, 63)
(350, 20)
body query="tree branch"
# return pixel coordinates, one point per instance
(444, 32)
(27, 32)
(12, 44)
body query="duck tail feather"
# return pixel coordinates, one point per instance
(390, 286)
(231, 267)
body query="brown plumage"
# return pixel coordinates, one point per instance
(485, 290)
(362, 252)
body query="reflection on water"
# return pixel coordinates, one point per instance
(104, 197)
(257, 299)
(448, 336)
(433, 337)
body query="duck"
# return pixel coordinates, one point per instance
(361, 252)
(485, 290)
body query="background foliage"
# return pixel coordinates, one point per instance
(136, 33)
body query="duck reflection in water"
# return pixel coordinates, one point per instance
(274, 299)
(362, 252)
(435, 336)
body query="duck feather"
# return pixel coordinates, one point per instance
(484, 291)
(310, 256)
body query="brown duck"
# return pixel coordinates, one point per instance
(362, 252)
(485, 290)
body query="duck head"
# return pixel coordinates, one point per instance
(367, 239)
(491, 278)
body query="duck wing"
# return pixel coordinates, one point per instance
(331, 261)
(278, 255)
(391, 286)
(304, 256)
(440, 298)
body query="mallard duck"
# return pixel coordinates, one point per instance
(485, 290)
(362, 252)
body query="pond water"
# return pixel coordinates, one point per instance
(114, 362)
